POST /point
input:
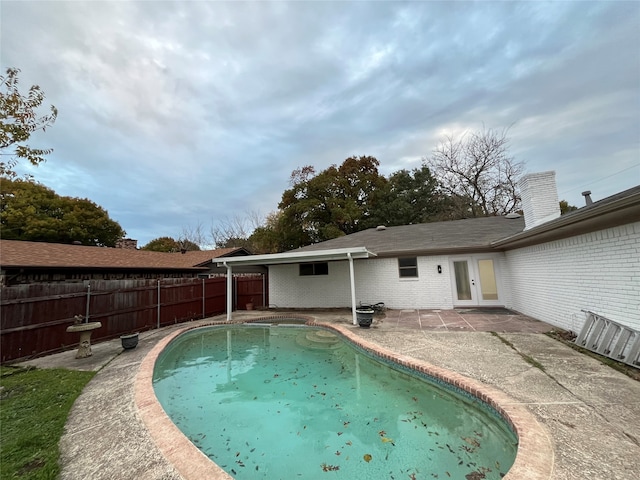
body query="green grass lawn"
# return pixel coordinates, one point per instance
(34, 405)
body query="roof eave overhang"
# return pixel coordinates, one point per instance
(428, 252)
(103, 268)
(614, 214)
(297, 257)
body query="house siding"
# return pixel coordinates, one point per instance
(376, 280)
(598, 271)
(287, 289)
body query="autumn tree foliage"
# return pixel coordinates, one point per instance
(34, 212)
(19, 118)
(335, 202)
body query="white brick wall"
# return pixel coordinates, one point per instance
(287, 289)
(539, 198)
(552, 282)
(376, 280)
(598, 271)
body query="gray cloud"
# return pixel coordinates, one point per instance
(179, 113)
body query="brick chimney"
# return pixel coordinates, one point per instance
(127, 243)
(540, 202)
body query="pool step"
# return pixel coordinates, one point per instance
(318, 340)
(606, 337)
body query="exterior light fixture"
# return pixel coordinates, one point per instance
(439, 268)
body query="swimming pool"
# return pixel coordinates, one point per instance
(297, 402)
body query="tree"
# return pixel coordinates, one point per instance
(169, 244)
(271, 236)
(162, 244)
(232, 232)
(18, 120)
(477, 173)
(31, 211)
(566, 208)
(337, 201)
(410, 197)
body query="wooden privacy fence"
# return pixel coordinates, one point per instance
(34, 317)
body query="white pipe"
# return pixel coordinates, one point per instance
(353, 288)
(229, 290)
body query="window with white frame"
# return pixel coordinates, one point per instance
(408, 267)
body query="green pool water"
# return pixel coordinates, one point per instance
(299, 402)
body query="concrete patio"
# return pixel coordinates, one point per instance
(590, 412)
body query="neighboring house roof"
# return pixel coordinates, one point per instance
(469, 235)
(14, 253)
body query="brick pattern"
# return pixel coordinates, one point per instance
(376, 280)
(539, 198)
(598, 271)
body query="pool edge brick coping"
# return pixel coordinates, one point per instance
(534, 458)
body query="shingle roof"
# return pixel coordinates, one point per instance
(15, 253)
(473, 234)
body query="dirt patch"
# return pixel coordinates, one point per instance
(568, 338)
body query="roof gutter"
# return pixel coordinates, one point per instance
(299, 257)
(585, 220)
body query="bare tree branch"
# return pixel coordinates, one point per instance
(478, 173)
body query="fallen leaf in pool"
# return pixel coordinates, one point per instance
(367, 457)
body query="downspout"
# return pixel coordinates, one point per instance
(353, 288)
(229, 290)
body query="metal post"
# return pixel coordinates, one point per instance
(203, 307)
(353, 289)
(86, 316)
(264, 291)
(229, 290)
(158, 303)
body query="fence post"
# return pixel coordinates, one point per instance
(158, 303)
(86, 315)
(203, 307)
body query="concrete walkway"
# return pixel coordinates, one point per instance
(591, 412)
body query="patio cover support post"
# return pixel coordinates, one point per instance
(229, 290)
(353, 288)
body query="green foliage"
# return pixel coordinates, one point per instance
(162, 244)
(169, 244)
(33, 212)
(18, 120)
(566, 208)
(337, 201)
(34, 405)
(409, 197)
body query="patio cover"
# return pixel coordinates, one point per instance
(349, 254)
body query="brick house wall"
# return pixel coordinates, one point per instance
(597, 271)
(376, 280)
(287, 289)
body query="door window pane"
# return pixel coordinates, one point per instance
(463, 286)
(488, 284)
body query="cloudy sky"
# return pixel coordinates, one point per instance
(178, 114)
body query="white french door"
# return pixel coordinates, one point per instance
(474, 281)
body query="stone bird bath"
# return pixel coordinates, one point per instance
(84, 329)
